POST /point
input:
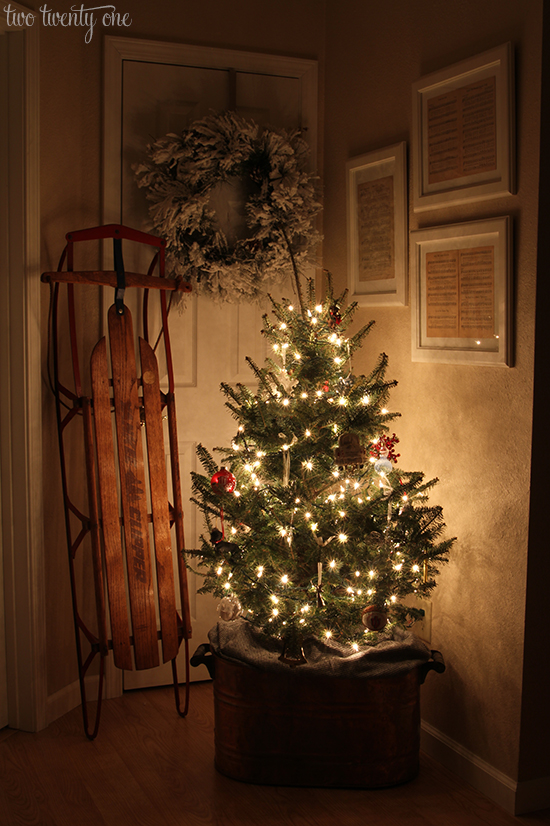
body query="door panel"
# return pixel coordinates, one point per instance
(209, 340)
(269, 100)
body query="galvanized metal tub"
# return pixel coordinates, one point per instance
(293, 729)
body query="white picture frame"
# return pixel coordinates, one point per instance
(461, 293)
(463, 128)
(376, 185)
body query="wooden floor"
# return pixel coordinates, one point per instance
(150, 768)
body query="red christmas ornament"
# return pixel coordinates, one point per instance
(335, 317)
(223, 481)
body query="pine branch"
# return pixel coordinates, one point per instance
(206, 460)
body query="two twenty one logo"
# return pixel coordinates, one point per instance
(86, 18)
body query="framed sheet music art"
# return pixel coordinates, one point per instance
(463, 127)
(461, 293)
(377, 227)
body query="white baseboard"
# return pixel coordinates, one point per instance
(516, 798)
(68, 698)
(533, 795)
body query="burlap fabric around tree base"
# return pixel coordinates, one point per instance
(397, 652)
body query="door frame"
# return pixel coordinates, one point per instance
(21, 398)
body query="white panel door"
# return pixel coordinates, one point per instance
(162, 93)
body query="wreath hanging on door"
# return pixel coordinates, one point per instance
(235, 204)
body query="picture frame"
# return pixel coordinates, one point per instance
(463, 127)
(376, 185)
(461, 293)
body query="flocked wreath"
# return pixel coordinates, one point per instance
(183, 174)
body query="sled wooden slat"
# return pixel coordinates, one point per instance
(158, 487)
(108, 278)
(133, 489)
(110, 517)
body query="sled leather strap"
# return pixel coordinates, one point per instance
(120, 276)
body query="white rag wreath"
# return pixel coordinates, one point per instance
(277, 201)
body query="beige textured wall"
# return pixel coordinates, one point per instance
(470, 426)
(71, 118)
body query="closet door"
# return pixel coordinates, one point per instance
(157, 88)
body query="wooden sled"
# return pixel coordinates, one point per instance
(131, 512)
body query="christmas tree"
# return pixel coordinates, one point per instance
(313, 530)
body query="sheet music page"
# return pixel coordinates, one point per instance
(461, 132)
(460, 293)
(476, 291)
(442, 294)
(375, 229)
